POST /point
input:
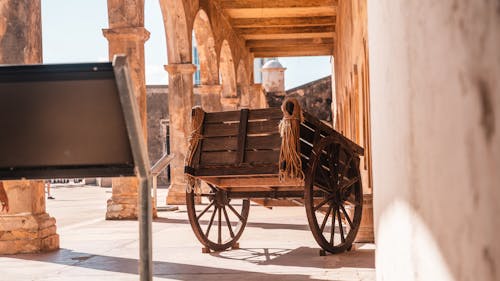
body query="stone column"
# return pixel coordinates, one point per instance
(245, 93)
(129, 41)
(26, 228)
(257, 98)
(230, 103)
(180, 102)
(210, 97)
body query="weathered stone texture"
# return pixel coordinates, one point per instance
(27, 227)
(315, 97)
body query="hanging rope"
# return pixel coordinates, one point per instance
(290, 163)
(197, 117)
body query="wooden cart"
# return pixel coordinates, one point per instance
(237, 158)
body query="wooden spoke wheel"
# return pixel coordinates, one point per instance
(333, 196)
(217, 221)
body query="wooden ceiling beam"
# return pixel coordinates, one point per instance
(288, 36)
(284, 30)
(288, 42)
(241, 4)
(328, 48)
(296, 53)
(281, 12)
(282, 22)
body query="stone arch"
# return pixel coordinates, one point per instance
(229, 97)
(205, 41)
(176, 29)
(242, 82)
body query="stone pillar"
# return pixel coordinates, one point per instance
(180, 102)
(130, 41)
(257, 98)
(26, 228)
(210, 97)
(230, 103)
(244, 91)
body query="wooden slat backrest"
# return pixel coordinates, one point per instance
(236, 138)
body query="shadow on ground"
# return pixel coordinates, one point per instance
(178, 271)
(301, 257)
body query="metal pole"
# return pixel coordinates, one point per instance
(145, 228)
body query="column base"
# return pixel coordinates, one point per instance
(125, 208)
(176, 194)
(365, 232)
(28, 233)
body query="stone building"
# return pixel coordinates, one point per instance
(416, 85)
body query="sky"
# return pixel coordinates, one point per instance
(72, 32)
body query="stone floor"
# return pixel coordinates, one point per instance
(276, 245)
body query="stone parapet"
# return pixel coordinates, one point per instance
(27, 233)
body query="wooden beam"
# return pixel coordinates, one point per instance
(281, 12)
(296, 53)
(241, 4)
(288, 42)
(328, 48)
(284, 30)
(282, 22)
(288, 36)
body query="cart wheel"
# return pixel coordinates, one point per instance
(333, 195)
(216, 206)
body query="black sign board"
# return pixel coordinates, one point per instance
(62, 121)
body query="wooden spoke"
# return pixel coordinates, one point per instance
(325, 219)
(219, 226)
(346, 167)
(341, 229)
(211, 222)
(332, 233)
(342, 169)
(329, 198)
(348, 183)
(228, 222)
(204, 211)
(346, 216)
(235, 212)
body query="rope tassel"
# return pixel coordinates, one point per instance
(197, 117)
(290, 163)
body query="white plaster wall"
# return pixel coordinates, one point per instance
(435, 96)
(273, 80)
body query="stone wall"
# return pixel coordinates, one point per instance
(315, 97)
(157, 107)
(435, 97)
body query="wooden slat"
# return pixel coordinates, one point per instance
(263, 127)
(218, 117)
(266, 113)
(242, 136)
(220, 143)
(229, 157)
(252, 143)
(288, 42)
(220, 129)
(234, 116)
(243, 170)
(313, 121)
(231, 129)
(256, 182)
(282, 22)
(264, 142)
